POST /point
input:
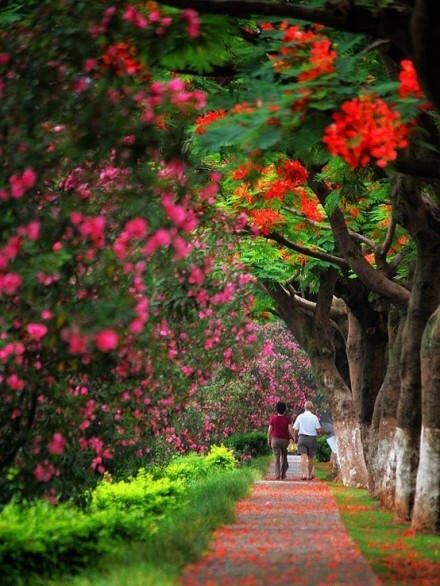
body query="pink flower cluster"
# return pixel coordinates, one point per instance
(101, 28)
(175, 92)
(193, 22)
(9, 283)
(153, 18)
(44, 471)
(90, 227)
(135, 229)
(19, 184)
(36, 331)
(10, 349)
(57, 444)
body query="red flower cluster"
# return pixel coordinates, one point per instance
(264, 220)
(366, 128)
(292, 175)
(121, 57)
(278, 190)
(294, 171)
(409, 84)
(203, 122)
(309, 205)
(322, 58)
(299, 44)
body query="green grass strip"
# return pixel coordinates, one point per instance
(394, 552)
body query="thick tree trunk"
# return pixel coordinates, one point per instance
(351, 462)
(426, 514)
(382, 461)
(422, 303)
(375, 347)
(406, 449)
(409, 412)
(355, 360)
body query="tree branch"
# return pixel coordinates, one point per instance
(308, 251)
(418, 167)
(373, 279)
(389, 23)
(385, 246)
(360, 237)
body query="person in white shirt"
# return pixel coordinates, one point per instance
(306, 429)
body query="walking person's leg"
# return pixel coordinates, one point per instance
(304, 465)
(310, 468)
(303, 451)
(312, 452)
(276, 449)
(284, 460)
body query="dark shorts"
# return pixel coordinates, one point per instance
(307, 444)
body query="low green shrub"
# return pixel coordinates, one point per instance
(187, 468)
(193, 467)
(38, 537)
(249, 445)
(220, 458)
(323, 452)
(132, 508)
(142, 491)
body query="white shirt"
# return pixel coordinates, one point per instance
(307, 423)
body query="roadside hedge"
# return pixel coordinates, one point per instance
(40, 538)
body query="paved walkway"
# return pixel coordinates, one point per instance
(286, 532)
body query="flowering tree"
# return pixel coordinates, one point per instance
(120, 294)
(335, 161)
(244, 401)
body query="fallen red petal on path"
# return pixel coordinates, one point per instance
(284, 533)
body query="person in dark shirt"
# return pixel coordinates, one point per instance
(279, 432)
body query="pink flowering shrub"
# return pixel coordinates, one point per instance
(244, 403)
(120, 296)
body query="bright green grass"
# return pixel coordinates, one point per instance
(394, 553)
(182, 537)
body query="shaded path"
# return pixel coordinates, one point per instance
(285, 532)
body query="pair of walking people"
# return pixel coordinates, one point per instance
(304, 431)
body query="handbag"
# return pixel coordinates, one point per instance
(292, 448)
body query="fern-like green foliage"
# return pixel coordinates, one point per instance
(216, 45)
(373, 5)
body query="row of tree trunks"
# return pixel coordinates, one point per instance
(422, 223)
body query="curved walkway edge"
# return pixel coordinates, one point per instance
(285, 532)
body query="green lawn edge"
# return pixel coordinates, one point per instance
(397, 555)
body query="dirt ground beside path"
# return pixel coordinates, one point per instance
(286, 532)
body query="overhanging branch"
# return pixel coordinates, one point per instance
(391, 22)
(330, 258)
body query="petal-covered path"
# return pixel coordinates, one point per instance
(285, 532)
